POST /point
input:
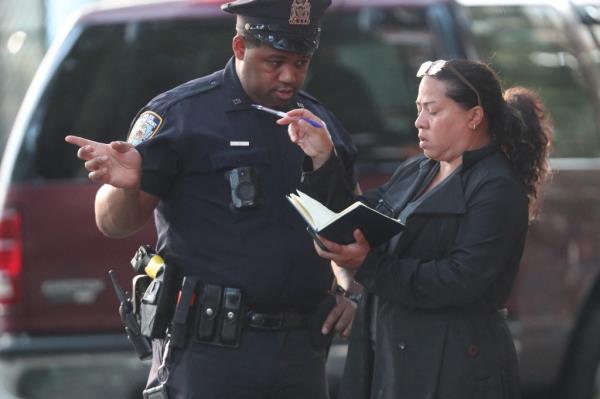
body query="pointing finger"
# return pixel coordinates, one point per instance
(78, 141)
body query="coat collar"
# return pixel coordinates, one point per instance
(446, 198)
(472, 157)
(235, 97)
(449, 196)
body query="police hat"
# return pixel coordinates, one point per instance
(287, 25)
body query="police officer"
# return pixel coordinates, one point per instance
(215, 172)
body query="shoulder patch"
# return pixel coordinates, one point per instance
(145, 127)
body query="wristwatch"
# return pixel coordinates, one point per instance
(353, 296)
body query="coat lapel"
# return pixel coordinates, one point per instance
(446, 198)
(401, 191)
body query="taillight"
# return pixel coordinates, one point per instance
(11, 256)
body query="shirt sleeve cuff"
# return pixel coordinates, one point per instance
(331, 167)
(150, 183)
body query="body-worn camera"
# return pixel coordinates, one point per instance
(245, 188)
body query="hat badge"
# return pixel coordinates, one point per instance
(300, 13)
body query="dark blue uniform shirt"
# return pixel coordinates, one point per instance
(202, 129)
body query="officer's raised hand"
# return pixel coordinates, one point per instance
(121, 208)
(117, 163)
(314, 141)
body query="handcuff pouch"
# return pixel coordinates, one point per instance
(207, 312)
(220, 315)
(231, 316)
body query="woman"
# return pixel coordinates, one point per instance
(432, 323)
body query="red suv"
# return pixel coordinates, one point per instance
(60, 335)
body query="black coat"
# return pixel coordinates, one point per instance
(439, 284)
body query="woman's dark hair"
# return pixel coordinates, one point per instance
(516, 119)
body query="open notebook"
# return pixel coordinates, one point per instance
(339, 226)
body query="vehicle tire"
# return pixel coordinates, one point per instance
(582, 375)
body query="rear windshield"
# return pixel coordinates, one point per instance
(113, 70)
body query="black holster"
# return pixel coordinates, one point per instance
(158, 303)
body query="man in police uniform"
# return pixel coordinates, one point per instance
(215, 172)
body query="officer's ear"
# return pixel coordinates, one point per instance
(239, 47)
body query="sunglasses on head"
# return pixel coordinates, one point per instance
(432, 68)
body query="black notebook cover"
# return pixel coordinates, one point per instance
(338, 227)
(376, 227)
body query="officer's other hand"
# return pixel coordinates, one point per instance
(314, 141)
(349, 256)
(117, 163)
(341, 317)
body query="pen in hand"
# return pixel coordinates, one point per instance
(282, 114)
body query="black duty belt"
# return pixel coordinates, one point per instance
(276, 321)
(218, 315)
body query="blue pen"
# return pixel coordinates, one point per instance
(282, 114)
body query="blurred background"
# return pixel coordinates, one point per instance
(27, 27)
(60, 335)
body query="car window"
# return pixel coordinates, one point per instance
(109, 74)
(374, 100)
(526, 44)
(114, 69)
